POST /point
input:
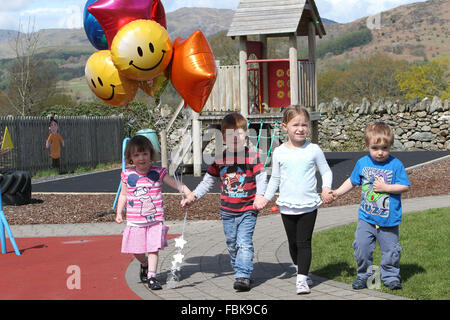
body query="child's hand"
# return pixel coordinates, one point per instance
(380, 186)
(119, 218)
(334, 194)
(188, 200)
(327, 195)
(260, 202)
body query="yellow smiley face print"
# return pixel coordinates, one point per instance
(105, 81)
(141, 50)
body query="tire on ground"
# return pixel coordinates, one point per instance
(16, 187)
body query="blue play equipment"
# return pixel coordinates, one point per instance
(4, 225)
(151, 135)
(124, 145)
(259, 137)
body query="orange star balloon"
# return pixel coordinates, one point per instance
(193, 70)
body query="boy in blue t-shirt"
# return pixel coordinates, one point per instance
(383, 179)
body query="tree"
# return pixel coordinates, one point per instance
(224, 48)
(30, 79)
(372, 77)
(426, 80)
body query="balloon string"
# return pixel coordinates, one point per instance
(179, 181)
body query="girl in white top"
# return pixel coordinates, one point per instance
(294, 173)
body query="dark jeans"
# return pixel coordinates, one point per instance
(55, 163)
(299, 229)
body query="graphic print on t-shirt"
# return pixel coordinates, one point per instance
(372, 202)
(148, 209)
(142, 194)
(233, 180)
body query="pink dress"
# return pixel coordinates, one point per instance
(145, 230)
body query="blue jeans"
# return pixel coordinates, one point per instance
(366, 236)
(239, 239)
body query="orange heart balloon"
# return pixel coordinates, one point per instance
(156, 86)
(193, 70)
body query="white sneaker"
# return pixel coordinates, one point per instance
(308, 279)
(302, 284)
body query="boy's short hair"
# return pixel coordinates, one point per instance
(294, 110)
(378, 132)
(139, 144)
(234, 121)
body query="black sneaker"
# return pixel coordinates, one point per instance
(242, 284)
(143, 273)
(154, 284)
(394, 285)
(359, 284)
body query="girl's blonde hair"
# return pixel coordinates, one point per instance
(293, 111)
(378, 132)
(139, 144)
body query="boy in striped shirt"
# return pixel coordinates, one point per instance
(242, 178)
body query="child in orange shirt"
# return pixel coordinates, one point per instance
(54, 141)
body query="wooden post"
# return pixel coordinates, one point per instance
(293, 68)
(312, 58)
(265, 74)
(243, 75)
(196, 145)
(164, 162)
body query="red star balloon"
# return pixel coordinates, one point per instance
(158, 13)
(114, 14)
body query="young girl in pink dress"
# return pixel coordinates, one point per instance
(141, 194)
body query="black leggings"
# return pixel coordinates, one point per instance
(299, 229)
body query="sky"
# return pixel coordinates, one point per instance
(45, 14)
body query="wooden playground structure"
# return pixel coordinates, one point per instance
(259, 87)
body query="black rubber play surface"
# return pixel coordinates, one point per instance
(341, 163)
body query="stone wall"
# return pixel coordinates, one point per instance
(418, 125)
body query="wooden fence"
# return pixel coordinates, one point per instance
(88, 141)
(225, 94)
(307, 83)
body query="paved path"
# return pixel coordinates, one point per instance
(341, 163)
(206, 273)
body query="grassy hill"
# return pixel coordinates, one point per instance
(410, 32)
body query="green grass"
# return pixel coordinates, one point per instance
(424, 263)
(99, 167)
(46, 173)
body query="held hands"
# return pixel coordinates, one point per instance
(188, 200)
(328, 195)
(260, 202)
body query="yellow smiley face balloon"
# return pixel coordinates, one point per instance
(106, 82)
(141, 50)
